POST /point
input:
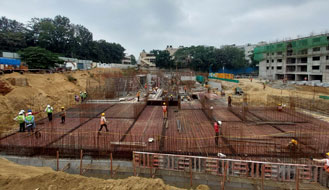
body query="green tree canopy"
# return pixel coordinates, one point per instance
(12, 35)
(39, 58)
(60, 36)
(133, 60)
(203, 58)
(163, 59)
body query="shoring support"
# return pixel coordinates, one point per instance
(111, 158)
(81, 155)
(134, 164)
(297, 178)
(263, 176)
(57, 160)
(224, 174)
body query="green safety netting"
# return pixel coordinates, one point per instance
(259, 57)
(296, 46)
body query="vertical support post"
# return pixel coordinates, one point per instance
(111, 165)
(134, 164)
(57, 160)
(263, 176)
(151, 165)
(224, 175)
(190, 165)
(81, 154)
(297, 178)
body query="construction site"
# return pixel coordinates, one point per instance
(253, 141)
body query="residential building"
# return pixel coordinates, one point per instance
(248, 51)
(146, 59)
(302, 59)
(172, 50)
(74, 64)
(126, 59)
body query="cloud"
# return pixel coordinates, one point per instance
(153, 24)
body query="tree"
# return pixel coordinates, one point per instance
(133, 60)
(39, 58)
(205, 58)
(163, 59)
(12, 35)
(60, 36)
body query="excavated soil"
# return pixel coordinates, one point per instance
(36, 91)
(44, 178)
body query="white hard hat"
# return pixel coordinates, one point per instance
(48, 105)
(219, 122)
(20, 113)
(211, 107)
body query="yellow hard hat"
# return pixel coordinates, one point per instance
(62, 107)
(327, 153)
(293, 141)
(103, 114)
(279, 104)
(164, 103)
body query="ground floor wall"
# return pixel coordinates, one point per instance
(184, 179)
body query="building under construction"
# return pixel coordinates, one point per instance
(253, 140)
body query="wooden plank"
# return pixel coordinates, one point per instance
(137, 144)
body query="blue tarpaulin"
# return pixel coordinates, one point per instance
(7, 61)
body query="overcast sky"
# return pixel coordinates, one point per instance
(154, 24)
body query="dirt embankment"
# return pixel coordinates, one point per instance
(258, 96)
(36, 91)
(44, 178)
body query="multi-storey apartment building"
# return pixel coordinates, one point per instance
(146, 59)
(298, 60)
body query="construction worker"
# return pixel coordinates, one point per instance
(21, 120)
(325, 161)
(217, 124)
(293, 145)
(164, 109)
(229, 101)
(103, 123)
(84, 96)
(49, 111)
(81, 96)
(29, 120)
(77, 98)
(185, 88)
(63, 114)
(279, 108)
(264, 86)
(138, 95)
(171, 98)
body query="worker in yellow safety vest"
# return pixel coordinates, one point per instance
(325, 161)
(21, 120)
(103, 123)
